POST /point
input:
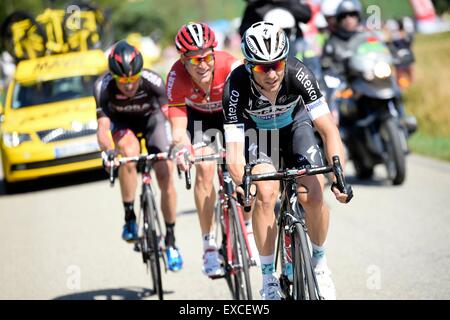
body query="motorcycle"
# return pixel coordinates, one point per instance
(371, 116)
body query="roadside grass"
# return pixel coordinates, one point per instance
(428, 98)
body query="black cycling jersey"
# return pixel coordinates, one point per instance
(139, 114)
(243, 102)
(150, 97)
(246, 108)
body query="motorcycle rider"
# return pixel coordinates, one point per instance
(337, 51)
(287, 13)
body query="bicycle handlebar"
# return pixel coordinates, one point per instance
(145, 157)
(292, 174)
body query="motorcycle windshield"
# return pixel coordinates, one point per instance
(369, 52)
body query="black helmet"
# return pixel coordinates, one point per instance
(349, 6)
(124, 59)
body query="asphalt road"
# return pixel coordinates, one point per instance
(61, 240)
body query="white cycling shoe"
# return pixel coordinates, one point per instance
(271, 288)
(211, 263)
(326, 285)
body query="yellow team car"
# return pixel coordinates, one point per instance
(48, 122)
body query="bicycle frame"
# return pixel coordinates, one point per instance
(228, 212)
(226, 191)
(291, 216)
(146, 188)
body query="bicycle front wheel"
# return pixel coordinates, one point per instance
(151, 237)
(304, 282)
(241, 265)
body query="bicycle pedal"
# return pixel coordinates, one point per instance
(216, 277)
(137, 247)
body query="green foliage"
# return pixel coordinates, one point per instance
(391, 9)
(428, 97)
(437, 147)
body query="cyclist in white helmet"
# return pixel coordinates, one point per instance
(328, 9)
(270, 105)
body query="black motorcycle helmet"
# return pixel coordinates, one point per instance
(125, 60)
(349, 6)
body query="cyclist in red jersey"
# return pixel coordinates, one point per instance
(194, 88)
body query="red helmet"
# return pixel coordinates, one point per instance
(195, 36)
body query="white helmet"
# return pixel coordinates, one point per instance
(329, 7)
(319, 21)
(280, 17)
(264, 42)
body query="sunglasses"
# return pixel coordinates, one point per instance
(198, 59)
(130, 79)
(264, 68)
(347, 14)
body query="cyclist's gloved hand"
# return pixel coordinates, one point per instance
(182, 159)
(240, 193)
(343, 196)
(107, 157)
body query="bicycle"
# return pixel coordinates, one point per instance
(292, 231)
(151, 239)
(234, 249)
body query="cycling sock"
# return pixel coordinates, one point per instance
(170, 235)
(267, 265)
(129, 211)
(209, 241)
(318, 257)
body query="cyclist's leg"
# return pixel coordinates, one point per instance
(204, 192)
(158, 139)
(259, 152)
(202, 128)
(310, 194)
(127, 145)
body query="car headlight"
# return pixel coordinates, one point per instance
(382, 70)
(14, 139)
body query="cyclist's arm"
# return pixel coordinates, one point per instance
(330, 137)
(235, 161)
(156, 84)
(177, 90)
(179, 121)
(305, 84)
(103, 136)
(234, 127)
(103, 120)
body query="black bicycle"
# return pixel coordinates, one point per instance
(151, 239)
(292, 231)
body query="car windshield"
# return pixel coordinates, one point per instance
(27, 95)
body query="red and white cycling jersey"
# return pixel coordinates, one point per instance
(183, 92)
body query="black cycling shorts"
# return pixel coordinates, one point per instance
(204, 127)
(155, 128)
(294, 146)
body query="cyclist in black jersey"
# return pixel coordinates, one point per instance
(270, 105)
(131, 100)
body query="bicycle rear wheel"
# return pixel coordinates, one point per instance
(151, 237)
(304, 282)
(241, 265)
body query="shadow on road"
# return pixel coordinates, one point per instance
(374, 182)
(53, 182)
(188, 211)
(112, 294)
